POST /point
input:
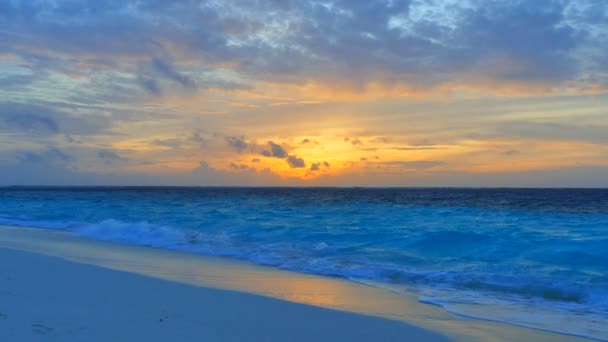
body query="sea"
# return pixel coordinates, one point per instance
(536, 258)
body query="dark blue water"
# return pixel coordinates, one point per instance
(533, 257)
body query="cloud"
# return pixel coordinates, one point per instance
(239, 174)
(70, 139)
(109, 156)
(48, 173)
(239, 167)
(317, 166)
(89, 75)
(167, 70)
(510, 152)
(534, 37)
(30, 122)
(349, 43)
(308, 141)
(172, 142)
(588, 176)
(237, 143)
(18, 81)
(276, 151)
(46, 120)
(554, 131)
(151, 74)
(202, 167)
(414, 165)
(197, 137)
(51, 155)
(353, 141)
(404, 148)
(295, 162)
(150, 85)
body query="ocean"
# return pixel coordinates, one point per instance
(531, 257)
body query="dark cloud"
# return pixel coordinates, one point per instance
(317, 166)
(382, 40)
(197, 137)
(276, 151)
(238, 143)
(30, 122)
(239, 167)
(70, 139)
(109, 156)
(150, 85)
(151, 74)
(41, 120)
(239, 174)
(56, 154)
(202, 167)
(308, 141)
(18, 81)
(534, 35)
(510, 152)
(168, 70)
(50, 155)
(353, 141)
(295, 162)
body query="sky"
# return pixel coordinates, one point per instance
(304, 93)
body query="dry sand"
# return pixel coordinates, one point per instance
(44, 298)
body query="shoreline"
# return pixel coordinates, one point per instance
(298, 291)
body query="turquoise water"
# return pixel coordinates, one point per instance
(531, 257)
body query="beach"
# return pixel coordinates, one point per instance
(60, 287)
(49, 299)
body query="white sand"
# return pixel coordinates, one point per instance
(60, 293)
(48, 299)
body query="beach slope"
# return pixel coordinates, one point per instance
(45, 298)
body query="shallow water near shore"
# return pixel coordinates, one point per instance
(529, 257)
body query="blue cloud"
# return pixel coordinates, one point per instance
(51, 155)
(238, 143)
(276, 151)
(109, 156)
(295, 162)
(347, 41)
(45, 120)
